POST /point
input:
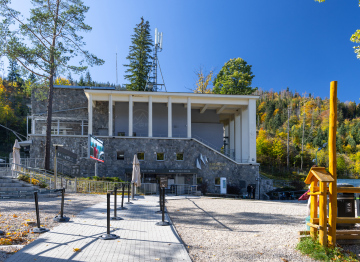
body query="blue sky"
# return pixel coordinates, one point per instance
(300, 44)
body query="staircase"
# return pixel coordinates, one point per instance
(14, 188)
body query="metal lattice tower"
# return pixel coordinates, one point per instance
(151, 83)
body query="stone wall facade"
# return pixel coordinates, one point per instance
(237, 175)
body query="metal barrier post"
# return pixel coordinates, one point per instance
(115, 217)
(108, 236)
(62, 218)
(122, 198)
(129, 195)
(163, 222)
(38, 229)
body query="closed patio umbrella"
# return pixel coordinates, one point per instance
(136, 176)
(16, 158)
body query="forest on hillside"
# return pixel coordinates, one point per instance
(305, 120)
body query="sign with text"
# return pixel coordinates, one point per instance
(163, 181)
(66, 154)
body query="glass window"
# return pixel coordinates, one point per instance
(141, 156)
(160, 156)
(121, 133)
(217, 181)
(120, 155)
(179, 156)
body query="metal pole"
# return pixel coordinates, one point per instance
(62, 203)
(163, 204)
(55, 168)
(108, 214)
(37, 209)
(122, 197)
(115, 197)
(108, 236)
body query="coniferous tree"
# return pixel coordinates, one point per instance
(139, 57)
(81, 81)
(13, 75)
(88, 81)
(45, 43)
(70, 79)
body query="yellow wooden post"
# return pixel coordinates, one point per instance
(322, 215)
(313, 207)
(332, 163)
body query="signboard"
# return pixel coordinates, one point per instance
(164, 171)
(66, 154)
(163, 181)
(96, 149)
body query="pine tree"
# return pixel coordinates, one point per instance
(70, 79)
(13, 75)
(88, 79)
(81, 81)
(139, 57)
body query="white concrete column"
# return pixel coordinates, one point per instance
(226, 134)
(169, 117)
(33, 124)
(130, 115)
(238, 156)
(150, 128)
(252, 130)
(189, 117)
(245, 134)
(110, 116)
(90, 115)
(231, 134)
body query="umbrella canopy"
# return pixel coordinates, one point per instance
(16, 157)
(136, 176)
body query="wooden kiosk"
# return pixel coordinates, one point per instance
(323, 184)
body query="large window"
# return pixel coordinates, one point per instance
(217, 181)
(141, 156)
(160, 156)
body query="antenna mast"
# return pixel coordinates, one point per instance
(151, 84)
(116, 71)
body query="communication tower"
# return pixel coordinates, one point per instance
(151, 83)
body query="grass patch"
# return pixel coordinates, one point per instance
(313, 249)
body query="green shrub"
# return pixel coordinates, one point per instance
(313, 249)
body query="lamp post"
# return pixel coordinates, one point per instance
(323, 146)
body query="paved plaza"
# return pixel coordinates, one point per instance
(140, 239)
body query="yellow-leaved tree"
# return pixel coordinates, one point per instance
(203, 81)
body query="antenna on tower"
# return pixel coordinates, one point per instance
(116, 70)
(151, 83)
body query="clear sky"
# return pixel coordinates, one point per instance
(300, 44)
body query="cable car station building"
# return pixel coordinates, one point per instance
(191, 138)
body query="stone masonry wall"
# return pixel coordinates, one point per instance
(238, 175)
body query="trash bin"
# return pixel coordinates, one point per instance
(345, 206)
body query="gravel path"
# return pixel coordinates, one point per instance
(17, 216)
(239, 230)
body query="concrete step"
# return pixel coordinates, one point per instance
(17, 188)
(12, 184)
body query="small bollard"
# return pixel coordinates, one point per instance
(129, 195)
(62, 218)
(115, 217)
(122, 198)
(163, 222)
(108, 236)
(38, 229)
